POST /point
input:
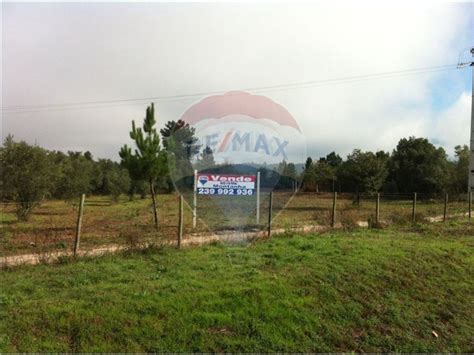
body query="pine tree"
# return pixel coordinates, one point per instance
(148, 160)
(206, 159)
(181, 146)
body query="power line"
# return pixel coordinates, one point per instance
(290, 86)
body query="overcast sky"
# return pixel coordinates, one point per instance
(63, 52)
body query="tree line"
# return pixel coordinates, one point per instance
(415, 165)
(29, 173)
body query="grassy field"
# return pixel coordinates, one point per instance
(52, 225)
(362, 290)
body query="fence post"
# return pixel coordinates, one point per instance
(195, 199)
(270, 208)
(470, 204)
(413, 213)
(78, 225)
(445, 214)
(258, 198)
(333, 217)
(181, 221)
(377, 209)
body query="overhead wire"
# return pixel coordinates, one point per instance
(97, 104)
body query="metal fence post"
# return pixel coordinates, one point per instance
(270, 208)
(79, 224)
(333, 217)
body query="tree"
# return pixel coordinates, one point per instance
(148, 161)
(114, 180)
(460, 169)
(88, 156)
(179, 137)
(324, 175)
(181, 147)
(308, 176)
(287, 173)
(28, 174)
(290, 171)
(417, 165)
(137, 182)
(334, 159)
(75, 175)
(363, 172)
(205, 159)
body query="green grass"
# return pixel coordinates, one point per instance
(372, 290)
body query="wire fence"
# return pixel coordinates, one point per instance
(129, 223)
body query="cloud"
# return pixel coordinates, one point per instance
(56, 53)
(451, 127)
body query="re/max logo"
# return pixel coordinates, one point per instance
(251, 142)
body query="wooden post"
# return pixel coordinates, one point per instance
(445, 214)
(470, 204)
(413, 212)
(79, 224)
(270, 210)
(333, 217)
(153, 198)
(181, 221)
(377, 209)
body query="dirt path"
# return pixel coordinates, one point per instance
(190, 240)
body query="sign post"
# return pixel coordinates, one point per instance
(195, 199)
(258, 197)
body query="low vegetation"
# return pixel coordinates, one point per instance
(51, 225)
(368, 290)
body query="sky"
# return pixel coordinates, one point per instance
(56, 53)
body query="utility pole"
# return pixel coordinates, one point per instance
(471, 147)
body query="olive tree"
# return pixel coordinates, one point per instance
(28, 175)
